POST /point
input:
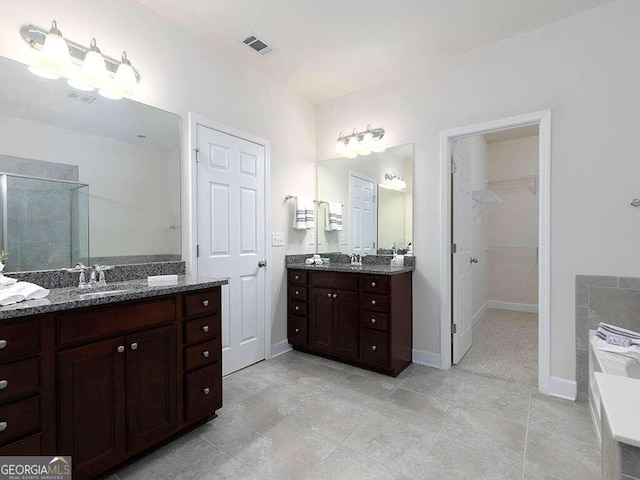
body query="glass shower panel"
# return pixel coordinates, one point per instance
(45, 223)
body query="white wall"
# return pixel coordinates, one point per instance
(130, 192)
(181, 75)
(513, 274)
(582, 68)
(476, 148)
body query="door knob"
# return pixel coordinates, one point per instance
(262, 263)
(134, 346)
(205, 328)
(473, 260)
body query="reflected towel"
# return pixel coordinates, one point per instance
(333, 217)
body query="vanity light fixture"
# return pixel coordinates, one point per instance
(360, 143)
(85, 68)
(394, 181)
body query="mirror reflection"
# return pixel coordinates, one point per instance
(373, 195)
(84, 178)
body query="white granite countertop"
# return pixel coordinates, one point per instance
(621, 403)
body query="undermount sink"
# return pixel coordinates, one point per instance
(102, 293)
(97, 292)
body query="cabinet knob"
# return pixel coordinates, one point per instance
(134, 346)
(206, 390)
(205, 354)
(3, 426)
(3, 343)
(374, 348)
(329, 295)
(335, 295)
(297, 307)
(120, 349)
(373, 284)
(297, 277)
(373, 302)
(297, 292)
(205, 303)
(373, 320)
(205, 328)
(297, 330)
(3, 384)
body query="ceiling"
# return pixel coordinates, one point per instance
(512, 134)
(331, 47)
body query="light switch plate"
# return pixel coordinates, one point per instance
(277, 239)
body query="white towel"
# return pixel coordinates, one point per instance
(333, 217)
(22, 291)
(303, 217)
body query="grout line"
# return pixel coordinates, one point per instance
(526, 438)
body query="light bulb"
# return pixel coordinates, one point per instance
(126, 81)
(353, 144)
(340, 147)
(94, 69)
(365, 150)
(55, 52)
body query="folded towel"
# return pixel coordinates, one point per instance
(333, 217)
(601, 344)
(613, 329)
(303, 217)
(21, 291)
(7, 281)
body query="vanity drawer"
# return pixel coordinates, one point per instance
(298, 308)
(299, 293)
(202, 329)
(374, 284)
(336, 281)
(297, 277)
(18, 418)
(203, 392)
(379, 321)
(370, 301)
(28, 446)
(374, 347)
(202, 354)
(200, 303)
(298, 331)
(80, 326)
(19, 379)
(19, 340)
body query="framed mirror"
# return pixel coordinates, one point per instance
(84, 178)
(365, 203)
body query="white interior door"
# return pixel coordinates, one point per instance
(231, 239)
(462, 237)
(363, 215)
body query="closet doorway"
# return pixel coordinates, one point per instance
(497, 267)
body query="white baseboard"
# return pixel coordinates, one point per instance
(563, 388)
(280, 348)
(480, 313)
(429, 359)
(516, 307)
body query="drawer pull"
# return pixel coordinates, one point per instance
(205, 354)
(120, 349)
(373, 302)
(3, 384)
(205, 303)
(3, 343)
(205, 328)
(373, 284)
(206, 390)
(297, 277)
(373, 320)
(297, 330)
(297, 307)
(3, 426)
(297, 292)
(335, 295)
(374, 348)
(134, 346)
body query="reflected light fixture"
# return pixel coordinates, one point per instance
(85, 68)
(393, 181)
(360, 143)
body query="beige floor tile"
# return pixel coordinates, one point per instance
(416, 408)
(512, 406)
(346, 464)
(434, 383)
(562, 417)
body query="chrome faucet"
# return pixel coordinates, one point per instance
(96, 275)
(98, 270)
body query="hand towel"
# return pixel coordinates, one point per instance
(333, 217)
(21, 291)
(300, 212)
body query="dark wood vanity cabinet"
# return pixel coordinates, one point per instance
(362, 319)
(116, 380)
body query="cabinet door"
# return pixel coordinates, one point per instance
(345, 335)
(321, 334)
(151, 386)
(91, 395)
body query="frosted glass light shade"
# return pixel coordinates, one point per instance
(367, 138)
(95, 69)
(351, 154)
(353, 144)
(55, 52)
(126, 81)
(377, 146)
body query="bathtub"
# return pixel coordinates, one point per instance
(609, 363)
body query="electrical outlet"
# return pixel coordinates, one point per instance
(277, 239)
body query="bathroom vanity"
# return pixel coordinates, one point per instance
(361, 315)
(108, 376)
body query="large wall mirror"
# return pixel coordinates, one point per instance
(373, 194)
(84, 178)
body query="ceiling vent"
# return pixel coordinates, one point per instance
(81, 97)
(257, 45)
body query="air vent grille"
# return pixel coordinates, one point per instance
(81, 97)
(257, 45)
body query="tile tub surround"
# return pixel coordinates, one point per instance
(70, 298)
(120, 273)
(305, 417)
(614, 300)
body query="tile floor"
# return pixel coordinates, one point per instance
(304, 417)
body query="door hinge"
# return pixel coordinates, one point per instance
(454, 328)
(454, 248)
(197, 250)
(454, 167)
(197, 155)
